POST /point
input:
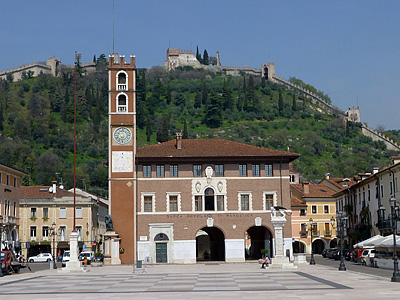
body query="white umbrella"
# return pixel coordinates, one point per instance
(372, 241)
(388, 242)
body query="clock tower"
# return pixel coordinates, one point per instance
(122, 151)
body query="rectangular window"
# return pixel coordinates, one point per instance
(268, 170)
(219, 170)
(78, 212)
(197, 170)
(244, 202)
(242, 170)
(173, 171)
(326, 209)
(269, 198)
(45, 231)
(63, 212)
(33, 231)
(1, 177)
(220, 202)
(173, 203)
(146, 171)
(33, 212)
(63, 233)
(198, 203)
(302, 212)
(255, 169)
(15, 181)
(391, 188)
(160, 171)
(382, 191)
(148, 203)
(45, 212)
(314, 209)
(79, 231)
(8, 180)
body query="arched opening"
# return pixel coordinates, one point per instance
(256, 239)
(299, 247)
(333, 243)
(161, 241)
(209, 199)
(122, 81)
(318, 246)
(210, 244)
(122, 103)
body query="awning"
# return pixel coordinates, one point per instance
(371, 242)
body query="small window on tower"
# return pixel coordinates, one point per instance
(122, 104)
(121, 81)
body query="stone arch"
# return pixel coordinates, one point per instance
(210, 244)
(332, 243)
(122, 101)
(122, 80)
(299, 247)
(256, 239)
(318, 245)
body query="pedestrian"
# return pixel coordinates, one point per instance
(265, 263)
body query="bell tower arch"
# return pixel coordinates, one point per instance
(122, 151)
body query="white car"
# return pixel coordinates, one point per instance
(42, 257)
(66, 256)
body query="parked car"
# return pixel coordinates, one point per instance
(89, 256)
(329, 252)
(367, 256)
(336, 254)
(347, 254)
(98, 257)
(42, 257)
(323, 253)
(66, 256)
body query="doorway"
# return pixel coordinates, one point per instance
(210, 244)
(161, 253)
(256, 239)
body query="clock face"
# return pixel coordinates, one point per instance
(122, 135)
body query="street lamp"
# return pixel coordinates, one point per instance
(312, 261)
(53, 229)
(395, 218)
(341, 225)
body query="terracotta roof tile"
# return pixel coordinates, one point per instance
(315, 190)
(210, 148)
(42, 192)
(297, 203)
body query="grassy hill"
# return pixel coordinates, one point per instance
(36, 123)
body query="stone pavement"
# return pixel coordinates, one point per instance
(211, 281)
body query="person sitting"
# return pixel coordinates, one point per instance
(265, 263)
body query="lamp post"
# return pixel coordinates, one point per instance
(1, 243)
(53, 233)
(342, 266)
(312, 261)
(395, 218)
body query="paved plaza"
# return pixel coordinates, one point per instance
(211, 281)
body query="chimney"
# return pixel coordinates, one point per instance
(327, 176)
(178, 141)
(375, 170)
(306, 187)
(54, 186)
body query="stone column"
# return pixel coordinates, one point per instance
(74, 265)
(111, 251)
(279, 261)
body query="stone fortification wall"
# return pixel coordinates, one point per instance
(377, 136)
(236, 71)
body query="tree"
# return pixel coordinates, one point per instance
(205, 58)
(294, 106)
(280, 102)
(149, 130)
(10, 77)
(1, 118)
(204, 94)
(213, 116)
(185, 134)
(251, 99)
(163, 130)
(226, 94)
(240, 100)
(198, 55)
(180, 100)
(197, 100)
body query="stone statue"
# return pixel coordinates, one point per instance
(109, 223)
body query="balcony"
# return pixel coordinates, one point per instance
(384, 224)
(10, 219)
(122, 87)
(315, 233)
(303, 233)
(327, 233)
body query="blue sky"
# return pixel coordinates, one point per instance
(347, 49)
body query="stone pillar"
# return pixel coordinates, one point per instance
(111, 248)
(74, 265)
(279, 261)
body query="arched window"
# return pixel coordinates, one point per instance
(121, 81)
(161, 237)
(122, 103)
(209, 192)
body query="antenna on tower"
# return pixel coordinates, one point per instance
(113, 26)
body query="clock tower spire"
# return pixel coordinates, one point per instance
(122, 151)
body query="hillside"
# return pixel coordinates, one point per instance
(36, 123)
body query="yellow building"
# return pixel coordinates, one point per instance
(318, 215)
(48, 209)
